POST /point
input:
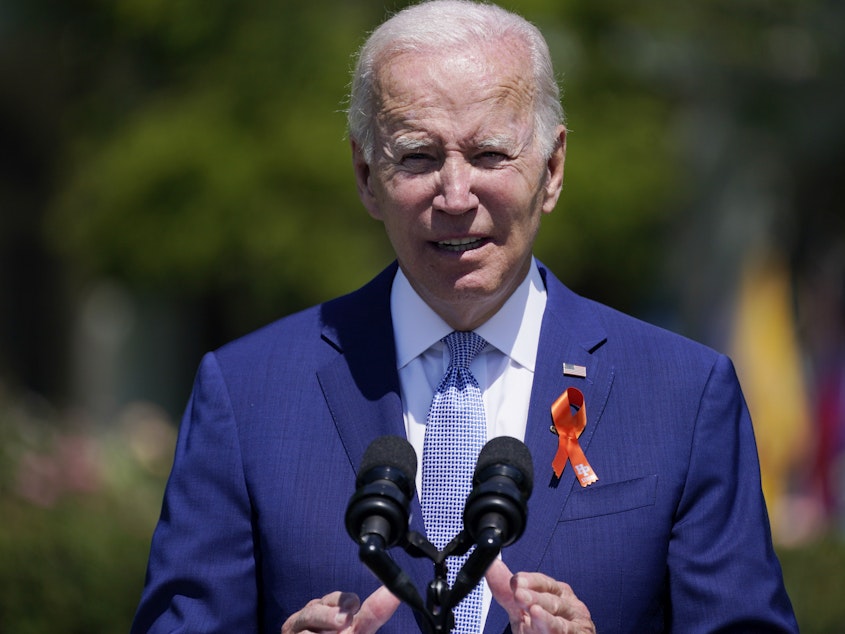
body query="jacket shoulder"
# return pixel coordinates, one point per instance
(602, 328)
(298, 337)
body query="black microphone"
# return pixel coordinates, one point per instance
(385, 486)
(503, 481)
(378, 512)
(496, 509)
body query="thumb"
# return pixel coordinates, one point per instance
(375, 611)
(499, 581)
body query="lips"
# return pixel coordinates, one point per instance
(461, 244)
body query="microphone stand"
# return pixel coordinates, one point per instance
(438, 609)
(494, 517)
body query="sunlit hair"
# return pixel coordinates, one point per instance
(443, 24)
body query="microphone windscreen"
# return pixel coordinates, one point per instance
(509, 451)
(390, 451)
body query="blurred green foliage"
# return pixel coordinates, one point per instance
(225, 168)
(76, 568)
(815, 579)
(78, 508)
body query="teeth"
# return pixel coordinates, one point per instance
(460, 244)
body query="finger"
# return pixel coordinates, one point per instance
(499, 581)
(332, 612)
(375, 611)
(542, 622)
(547, 600)
(537, 603)
(539, 583)
(530, 589)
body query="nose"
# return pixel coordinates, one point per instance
(455, 193)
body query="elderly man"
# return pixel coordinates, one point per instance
(458, 148)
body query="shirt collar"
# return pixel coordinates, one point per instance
(514, 330)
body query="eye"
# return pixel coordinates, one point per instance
(490, 158)
(418, 161)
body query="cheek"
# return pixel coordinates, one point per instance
(407, 201)
(412, 190)
(522, 217)
(516, 203)
(404, 208)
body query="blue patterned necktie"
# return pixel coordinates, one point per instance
(454, 435)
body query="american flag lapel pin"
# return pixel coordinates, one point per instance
(570, 369)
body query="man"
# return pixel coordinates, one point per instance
(458, 148)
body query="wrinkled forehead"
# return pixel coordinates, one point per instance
(498, 74)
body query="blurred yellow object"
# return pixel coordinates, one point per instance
(766, 352)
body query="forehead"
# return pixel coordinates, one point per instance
(487, 84)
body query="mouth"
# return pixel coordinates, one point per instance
(459, 245)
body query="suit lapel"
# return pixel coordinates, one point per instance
(360, 382)
(570, 333)
(361, 386)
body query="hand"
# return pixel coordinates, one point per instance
(343, 612)
(536, 603)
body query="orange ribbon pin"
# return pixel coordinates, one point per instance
(568, 427)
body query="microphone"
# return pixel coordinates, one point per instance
(384, 488)
(378, 512)
(494, 516)
(496, 510)
(503, 481)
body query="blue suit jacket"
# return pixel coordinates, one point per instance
(673, 537)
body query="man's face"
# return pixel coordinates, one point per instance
(458, 178)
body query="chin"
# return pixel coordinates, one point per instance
(474, 293)
(482, 283)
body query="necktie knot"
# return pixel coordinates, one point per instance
(463, 347)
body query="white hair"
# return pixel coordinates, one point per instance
(441, 24)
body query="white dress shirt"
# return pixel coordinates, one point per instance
(504, 368)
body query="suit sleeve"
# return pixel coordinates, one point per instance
(201, 575)
(723, 573)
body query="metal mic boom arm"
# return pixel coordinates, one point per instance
(373, 553)
(488, 547)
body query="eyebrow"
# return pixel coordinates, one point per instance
(497, 142)
(409, 144)
(412, 144)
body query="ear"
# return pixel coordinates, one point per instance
(363, 175)
(554, 182)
